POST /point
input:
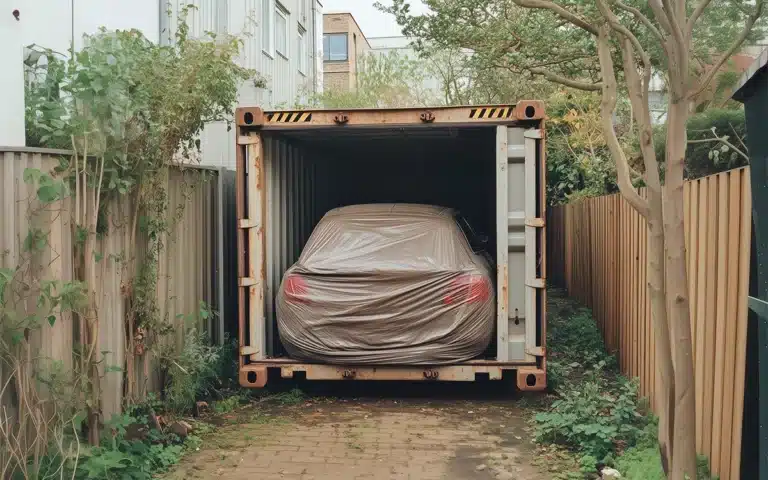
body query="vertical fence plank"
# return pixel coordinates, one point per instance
(722, 260)
(734, 220)
(700, 280)
(692, 250)
(745, 243)
(710, 321)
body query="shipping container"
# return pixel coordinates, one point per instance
(488, 162)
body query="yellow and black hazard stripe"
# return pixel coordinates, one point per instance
(289, 117)
(490, 112)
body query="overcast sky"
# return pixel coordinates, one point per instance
(372, 22)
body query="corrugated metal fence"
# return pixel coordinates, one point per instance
(597, 250)
(191, 264)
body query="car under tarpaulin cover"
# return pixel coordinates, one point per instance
(387, 285)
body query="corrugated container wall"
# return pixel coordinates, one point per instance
(281, 42)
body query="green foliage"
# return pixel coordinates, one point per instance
(293, 397)
(228, 404)
(391, 80)
(526, 41)
(591, 420)
(643, 461)
(597, 412)
(197, 370)
(130, 108)
(707, 158)
(578, 161)
(124, 455)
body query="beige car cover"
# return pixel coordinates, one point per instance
(387, 284)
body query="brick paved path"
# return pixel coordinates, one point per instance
(388, 439)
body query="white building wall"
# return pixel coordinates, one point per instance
(49, 24)
(285, 84)
(54, 24)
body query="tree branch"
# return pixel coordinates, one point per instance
(677, 31)
(724, 141)
(703, 4)
(607, 107)
(615, 24)
(734, 46)
(645, 20)
(661, 16)
(568, 82)
(560, 11)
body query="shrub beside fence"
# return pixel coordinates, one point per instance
(597, 250)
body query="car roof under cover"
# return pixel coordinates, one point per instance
(386, 237)
(402, 209)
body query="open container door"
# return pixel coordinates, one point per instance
(520, 247)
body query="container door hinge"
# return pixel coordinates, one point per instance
(534, 222)
(535, 283)
(244, 351)
(247, 140)
(535, 351)
(533, 133)
(246, 223)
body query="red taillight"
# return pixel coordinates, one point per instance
(295, 288)
(468, 289)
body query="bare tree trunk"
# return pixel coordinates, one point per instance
(684, 427)
(650, 209)
(657, 291)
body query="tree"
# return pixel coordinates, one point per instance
(390, 80)
(601, 46)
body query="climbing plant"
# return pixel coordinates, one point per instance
(129, 109)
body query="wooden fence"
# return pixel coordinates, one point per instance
(598, 250)
(189, 267)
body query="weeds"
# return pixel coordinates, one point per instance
(294, 397)
(591, 419)
(227, 405)
(199, 370)
(596, 415)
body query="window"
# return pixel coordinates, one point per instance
(302, 51)
(335, 47)
(267, 36)
(281, 31)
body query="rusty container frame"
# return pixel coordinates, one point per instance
(251, 239)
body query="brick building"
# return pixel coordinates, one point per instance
(343, 46)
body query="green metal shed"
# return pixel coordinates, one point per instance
(752, 91)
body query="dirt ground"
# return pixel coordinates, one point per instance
(421, 437)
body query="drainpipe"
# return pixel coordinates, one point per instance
(315, 33)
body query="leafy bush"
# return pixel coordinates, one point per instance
(197, 370)
(124, 456)
(578, 161)
(700, 159)
(588, 419)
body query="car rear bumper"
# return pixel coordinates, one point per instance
(528, 377)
